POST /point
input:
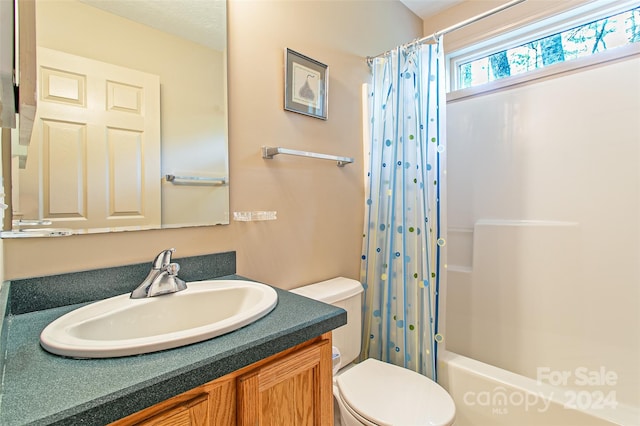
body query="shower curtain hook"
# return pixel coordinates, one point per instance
(369, 61)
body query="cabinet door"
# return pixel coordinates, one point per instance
(295, 390)
(190, 413)
(213, 404)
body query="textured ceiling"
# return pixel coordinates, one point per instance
(203, 22)
(427, 8)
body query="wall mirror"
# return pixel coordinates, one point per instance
(131, 126)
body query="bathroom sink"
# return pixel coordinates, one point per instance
(121, 326)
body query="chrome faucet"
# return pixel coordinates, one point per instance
(162, 279)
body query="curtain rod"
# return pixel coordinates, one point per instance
(437, 34)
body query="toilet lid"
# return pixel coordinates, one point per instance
(386, 394)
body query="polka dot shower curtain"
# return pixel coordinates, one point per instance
(403, 246)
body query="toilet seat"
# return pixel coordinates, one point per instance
(361, 420)
(387, 395)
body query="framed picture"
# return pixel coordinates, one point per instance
(306, 84)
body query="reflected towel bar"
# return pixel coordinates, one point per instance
(269, 152)
(195, 180)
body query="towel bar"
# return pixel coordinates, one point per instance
(195, 180)
(268, 153)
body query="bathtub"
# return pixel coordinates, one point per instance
(489, 396)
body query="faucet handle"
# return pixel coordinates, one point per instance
(172, 268)
(163, 259)
(167, 281)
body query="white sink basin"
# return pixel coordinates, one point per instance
(122, 326)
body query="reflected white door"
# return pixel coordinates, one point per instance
(94, 158)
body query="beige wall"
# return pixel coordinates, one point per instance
(320, 206)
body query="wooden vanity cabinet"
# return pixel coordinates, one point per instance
(292, 388)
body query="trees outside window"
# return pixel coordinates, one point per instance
(584, 40)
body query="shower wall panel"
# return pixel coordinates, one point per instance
(544, 228)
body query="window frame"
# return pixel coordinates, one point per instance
(542, 28)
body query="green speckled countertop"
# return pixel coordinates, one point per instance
(41, 388)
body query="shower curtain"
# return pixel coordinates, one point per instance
(403, 245)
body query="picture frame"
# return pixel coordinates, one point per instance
(306, 85)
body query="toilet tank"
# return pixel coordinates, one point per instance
(344, 293)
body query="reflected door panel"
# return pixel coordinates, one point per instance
(94, 158)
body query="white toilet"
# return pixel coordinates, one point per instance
(372, 392)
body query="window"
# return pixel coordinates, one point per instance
(535, 52)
